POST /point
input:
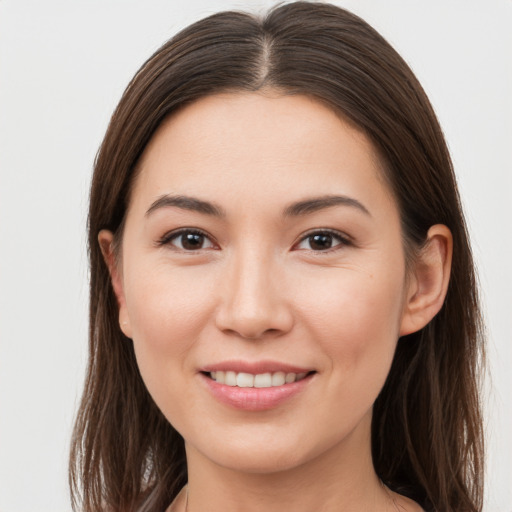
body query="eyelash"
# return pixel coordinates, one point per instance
(169, 237)
(343, 240)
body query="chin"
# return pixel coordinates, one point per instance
(260, 454)
(261, 462)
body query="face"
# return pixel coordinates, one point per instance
(262, 247)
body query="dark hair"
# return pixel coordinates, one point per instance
(427, 440)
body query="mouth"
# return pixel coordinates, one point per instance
(259, 380)
(256, 386)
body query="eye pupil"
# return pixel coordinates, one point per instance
(192, 241)
(320, 241)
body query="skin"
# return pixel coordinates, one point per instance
(257, 288)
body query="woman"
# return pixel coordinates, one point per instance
(283, 303)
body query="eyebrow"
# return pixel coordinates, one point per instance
(186, 203)
(296, 209)
(320, 203)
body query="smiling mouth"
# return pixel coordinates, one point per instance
(260, 380)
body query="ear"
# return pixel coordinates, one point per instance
(429, 280)
(106, 239)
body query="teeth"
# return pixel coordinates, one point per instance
(290, 377)
(230, 378)
(245, 380)
(278, 379)
(261, 380)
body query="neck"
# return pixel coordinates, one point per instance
(342, 478)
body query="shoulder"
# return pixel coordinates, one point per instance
(404, 504)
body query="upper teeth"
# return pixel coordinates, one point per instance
(261, 380)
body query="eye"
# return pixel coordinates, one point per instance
(322, 241)
(187, 240)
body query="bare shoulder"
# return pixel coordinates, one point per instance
(405, 504)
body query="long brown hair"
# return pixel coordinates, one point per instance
(427, 438)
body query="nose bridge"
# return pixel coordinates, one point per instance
(254, 300)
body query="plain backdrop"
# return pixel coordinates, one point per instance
(63, 67)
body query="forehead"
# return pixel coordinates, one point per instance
(255, 147)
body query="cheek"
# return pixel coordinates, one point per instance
(356, 325)
(166, 305)
(356, 318)
(167, 311)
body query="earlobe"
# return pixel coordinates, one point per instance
(105, 240)
(429, 283)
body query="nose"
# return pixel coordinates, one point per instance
(253, 303)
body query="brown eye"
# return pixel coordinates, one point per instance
(322, 241)
(191, 241)
(188, 240)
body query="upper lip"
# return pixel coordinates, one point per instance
(254, 367)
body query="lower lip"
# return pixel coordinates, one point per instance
(255, 399)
